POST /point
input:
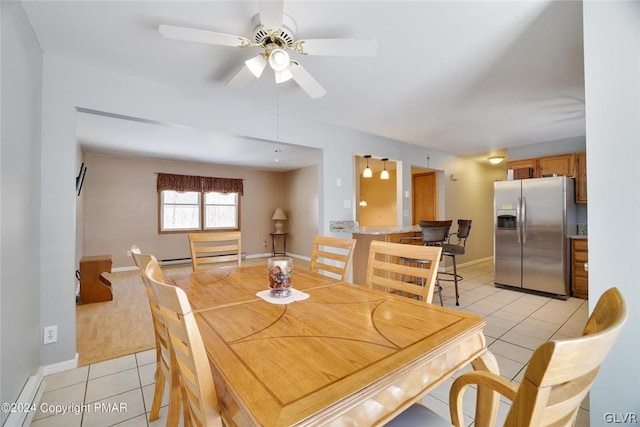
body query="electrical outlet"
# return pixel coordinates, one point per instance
(50, 334)
(265, 243)
(128, 253)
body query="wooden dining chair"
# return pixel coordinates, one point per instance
(385, 268)
(332, 255)
(215, 247)
(166, 368)
(557, 378)
(193, 364)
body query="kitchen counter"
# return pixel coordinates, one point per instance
(578, 236)
(381, 229)
(365, 234)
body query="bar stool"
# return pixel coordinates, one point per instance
(456, 248)
(434, 233)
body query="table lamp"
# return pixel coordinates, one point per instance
(279, 216)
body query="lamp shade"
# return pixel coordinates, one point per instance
(279, 215)
(367, 173)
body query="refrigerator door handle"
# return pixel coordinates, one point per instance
(518, 222)
(524, 220)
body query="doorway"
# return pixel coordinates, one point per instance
(424, 198)
(377, 196)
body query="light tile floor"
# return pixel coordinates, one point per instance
(119, 391)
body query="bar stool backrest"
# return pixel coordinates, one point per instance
(435, 233)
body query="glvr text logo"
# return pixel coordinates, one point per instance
(621, 418)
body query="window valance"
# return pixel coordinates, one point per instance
(205, 184)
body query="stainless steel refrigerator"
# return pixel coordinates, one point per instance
(533, 218)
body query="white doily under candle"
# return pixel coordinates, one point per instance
(296, 295)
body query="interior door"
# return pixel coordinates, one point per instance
(424, 197)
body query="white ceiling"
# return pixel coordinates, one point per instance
(463, 77)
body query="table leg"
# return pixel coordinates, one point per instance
(488, 400)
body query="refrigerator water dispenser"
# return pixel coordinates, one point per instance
(506, 221)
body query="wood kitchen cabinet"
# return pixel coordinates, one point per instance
(523, 169)
(579, 274)
(571, 165)
(581, 178)
(564, 164)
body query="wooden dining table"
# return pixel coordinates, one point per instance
(348, 355)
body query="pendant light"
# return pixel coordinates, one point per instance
(367, 171)
(385, 173)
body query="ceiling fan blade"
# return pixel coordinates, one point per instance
(202, 36)
(271, 14)
(256, 65)
(283, 76)
(306, 81)
(241, 79)
(337, 47)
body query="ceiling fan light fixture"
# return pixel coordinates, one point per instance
(367, 173)
(256, 65)
(496, 160)
(279, 59)
(385, 173)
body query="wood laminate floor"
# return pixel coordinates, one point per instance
(110, 329)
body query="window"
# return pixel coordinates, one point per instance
(198, 203)
(221, 210)
(186, 211)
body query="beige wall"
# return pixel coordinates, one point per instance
(301, 205)
(471, 197)
(120, 206)
(381, 198)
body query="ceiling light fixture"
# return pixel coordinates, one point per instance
(496, 160)
(367, 171)
(385, 173)
(256, 65)
(279, 59)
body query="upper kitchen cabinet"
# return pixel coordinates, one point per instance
(572, 165)
(564, 164)
(581, 178)
(523, 169)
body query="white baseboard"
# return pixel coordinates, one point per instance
(306, 258)
(61, 366)
(119, 269)
(470, 263)
(269, 255)
(30, 395)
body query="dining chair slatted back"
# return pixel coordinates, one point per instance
(166, 369)
(332, 255)
(193, 364)
(215, 247)
(560, 372)
(385, 268)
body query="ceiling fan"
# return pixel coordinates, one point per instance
(274, 33)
